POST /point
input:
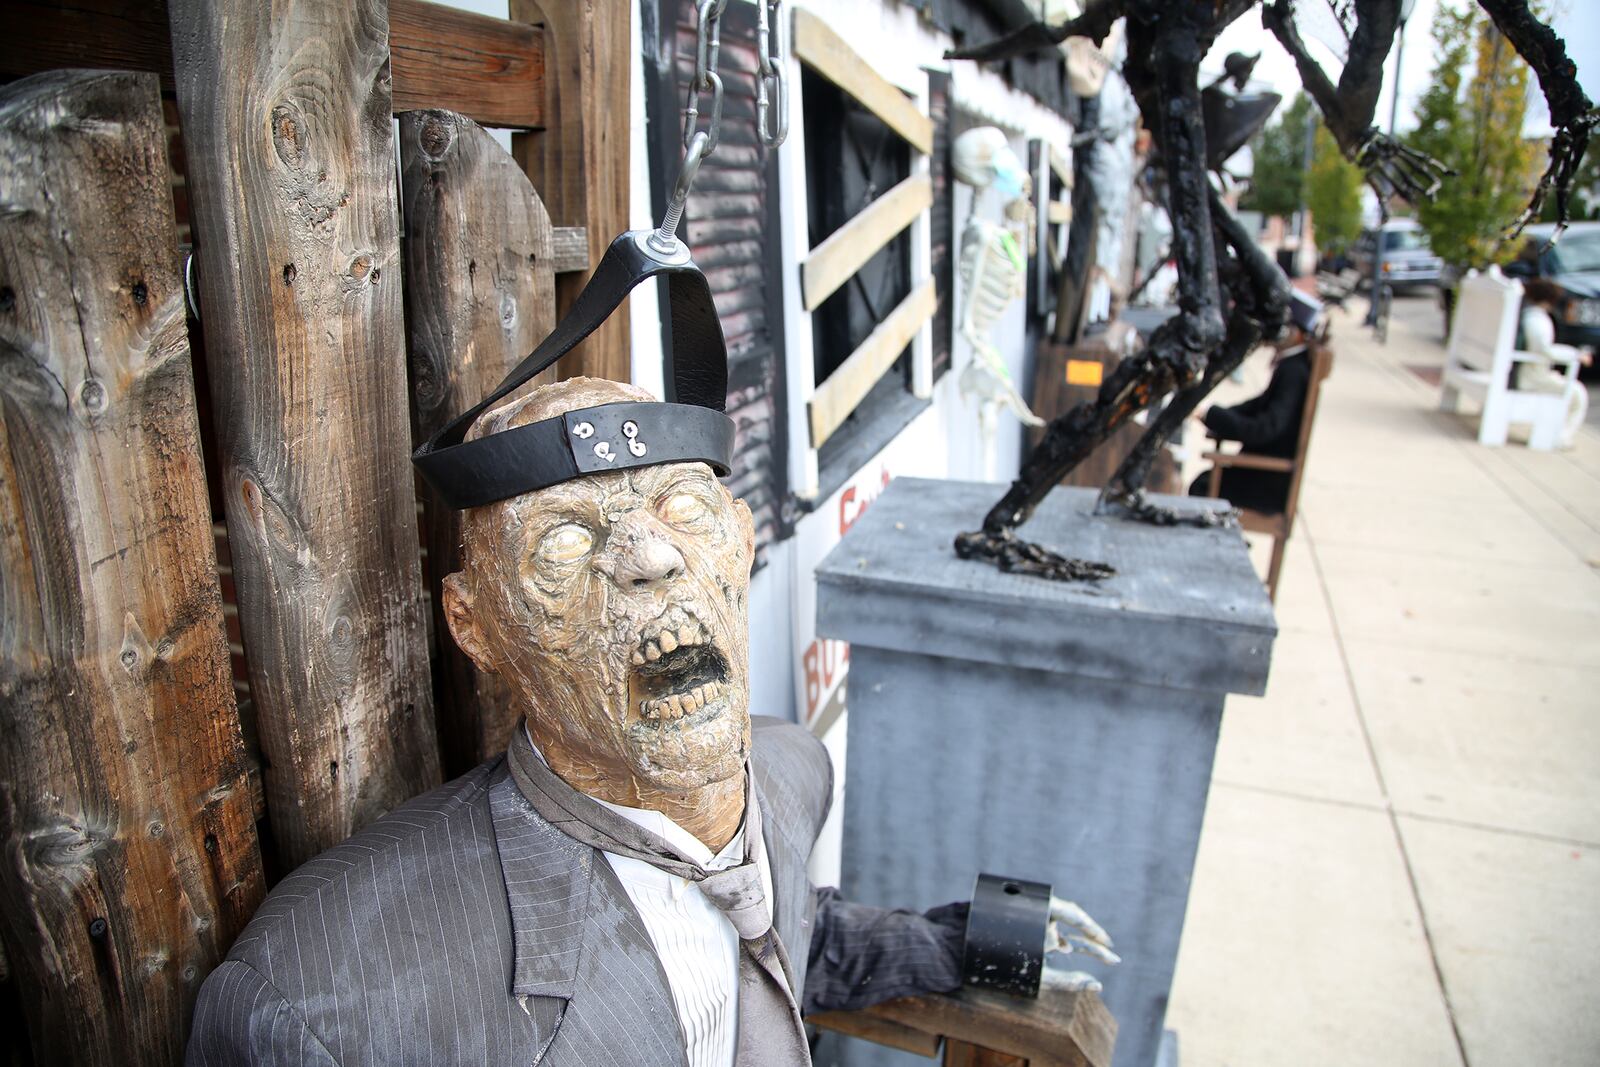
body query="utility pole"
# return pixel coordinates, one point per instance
(1399, 62)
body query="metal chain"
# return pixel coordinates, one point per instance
(707, 53)
(699, 142)
(771, 46)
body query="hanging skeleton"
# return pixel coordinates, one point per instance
(1231, 296)
(993, 269)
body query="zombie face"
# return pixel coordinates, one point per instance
(615, 605)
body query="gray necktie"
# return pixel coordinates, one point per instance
(771, 1033)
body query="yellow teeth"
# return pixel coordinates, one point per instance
(669, 641)
(680, 704)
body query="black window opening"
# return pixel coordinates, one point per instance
(852, 158)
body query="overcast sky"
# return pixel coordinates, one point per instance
(1578, 21)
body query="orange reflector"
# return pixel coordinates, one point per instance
(1084, 372)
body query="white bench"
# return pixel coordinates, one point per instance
(1481, 354)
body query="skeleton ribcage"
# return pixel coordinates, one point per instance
(1002, 281)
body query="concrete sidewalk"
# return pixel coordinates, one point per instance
(1401, 856)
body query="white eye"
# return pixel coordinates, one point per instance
(683, 509)
(566, 543)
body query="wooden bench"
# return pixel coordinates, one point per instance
(981, 1028)
(1278, 525)
(1480, 359)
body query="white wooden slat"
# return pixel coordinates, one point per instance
(837, 397)
(818, 46)
(832, 262)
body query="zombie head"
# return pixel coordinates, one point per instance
(614, 605)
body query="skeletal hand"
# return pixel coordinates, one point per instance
(1072, 930)
(1566, 152)
(1395, 168)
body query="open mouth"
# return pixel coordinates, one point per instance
(678, 673)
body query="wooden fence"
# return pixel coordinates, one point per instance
(346, 310)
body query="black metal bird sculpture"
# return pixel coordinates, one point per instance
(1231, 296)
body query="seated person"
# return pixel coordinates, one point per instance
(1269, 424)
(1546, 372)
(627, 885)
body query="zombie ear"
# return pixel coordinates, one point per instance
(747, 527)
(460, 616)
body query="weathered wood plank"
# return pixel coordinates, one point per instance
(129, 850)
(569, 248)
(984, 1027)
(436, 51)
(869, 1027)
(817, 45)
(488, 69)
(579, 162)
(962, 1054)
(299, 278)
(843, 252)
(1052, 1030)
(837, 397)
(480, 295)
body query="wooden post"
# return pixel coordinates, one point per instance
(129, 850)
(285, 111)
(580, 162)
(480, 295)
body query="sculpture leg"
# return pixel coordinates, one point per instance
(1179, 349)
(1261, 301)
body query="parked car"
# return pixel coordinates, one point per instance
(1399, 252)
(1573, 263)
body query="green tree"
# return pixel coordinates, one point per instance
(1279, 154)
(1333, 194)
(1474, 126)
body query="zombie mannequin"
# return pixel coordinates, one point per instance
(993, 273)
(626, 886)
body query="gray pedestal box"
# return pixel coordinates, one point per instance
(1036, 729)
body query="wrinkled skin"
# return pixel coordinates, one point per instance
(614, 605)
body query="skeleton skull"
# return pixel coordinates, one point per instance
(615, 606)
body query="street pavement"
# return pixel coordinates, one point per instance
(1401, 856)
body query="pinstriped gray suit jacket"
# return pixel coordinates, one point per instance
(463, 928)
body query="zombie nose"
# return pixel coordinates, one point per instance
(648, 561)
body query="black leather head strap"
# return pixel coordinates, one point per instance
(468, 474)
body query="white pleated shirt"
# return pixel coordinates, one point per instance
(697, 944)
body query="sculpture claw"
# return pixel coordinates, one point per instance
(1393, 167)
(1012, 555)
(1566, 153)
(1136, 507)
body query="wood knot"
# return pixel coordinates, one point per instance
(287, 136)
(92, 395)
(435, 137)
(141, 295)
(290, 273)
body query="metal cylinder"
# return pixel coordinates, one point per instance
(1006, 929)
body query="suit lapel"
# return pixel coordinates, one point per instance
(583, 968)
